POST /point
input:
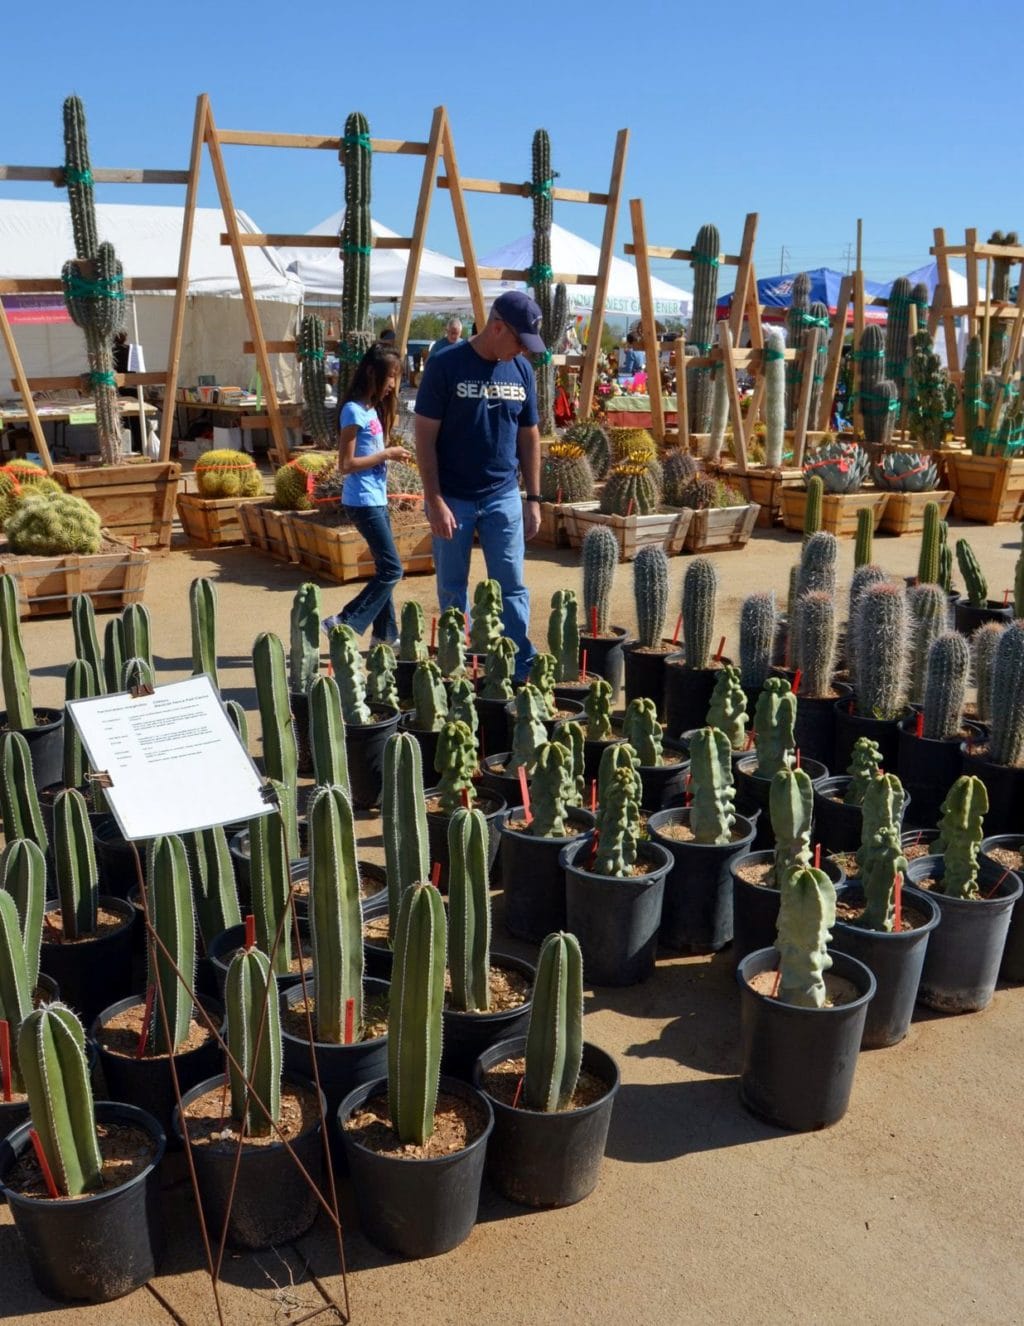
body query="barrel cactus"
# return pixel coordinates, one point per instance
(565, 474)
(678, 471)
(52, 524)
(593, 438)
(227, 473)
(630, 490)
(19, 480)
(293, 483)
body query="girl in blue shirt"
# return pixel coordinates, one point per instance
(367, 418)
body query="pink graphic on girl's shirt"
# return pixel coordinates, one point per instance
(375, 428)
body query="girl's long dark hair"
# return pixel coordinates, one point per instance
(370, 382)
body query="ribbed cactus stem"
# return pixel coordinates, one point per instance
(1006, 723)
(864, 768)
(700, 593)
(983, 646)
(540, 278)
(280, 754)
(87, 645)
(238, 721)
(23, 879)
(202, 602)
(974, 578)
(13, 668)
(327, 733)
(928, 559)
(554, 1039)
(863, 547)
(881, 809)
(462, 705)
(880, 860)
(812, 507)
(719, 412)
(78, 179)
(213, 882)
(78, 880)
(975, 432)
(55, 1072)
(814, 642)
(600, 555)
(960, 834)
(543, 677)
(571, 736)
(757, 635)
(429, 697)
(451, 642)
(469, 912)
(335, 914)
(807, 912)
(818, 560)
(381, 666)
(16, 989)
(311, 351)
(138, 633)
(19, 802)
(617, 824)
(797, 325)
(551, 791)
(774, 399)
(642, 730)
(499, 669)
(485, 628)
(254, 1042)
(417, 998)
(270, 880)
(356, 156)
(597, 705)
(564, 634)
(791, 808)
(928, 618)
(774, 720)
(113, 654)
(169, 902)
(529, 733)
(79, 684)
(136, 675)
(350, 674)
(404, 816)
(304, 655)
(705, 251)
(711, 810)
(880, 641)
(455, 761)
(728, 708)
(411, 647)
(650, 594)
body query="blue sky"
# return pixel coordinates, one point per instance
(810, 114)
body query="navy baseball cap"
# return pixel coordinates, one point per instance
(523, 315)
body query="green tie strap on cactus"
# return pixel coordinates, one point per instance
(485, 628)
(14, 672)
(973, 576)
(169, 903)
(404, 816)
(642, 730)
(202, 603)
(618, 816)
(881, 808)
(650, 594)
(881, 859)
(304, 655)
(254, 1042)
(113, 654)
(138, 633)
(727, 710)
(814, 643)
(791, 809)
(16, 989)
(571, 736)
(564, 634)
(932, 397)
(214, 892)
(335, 914)
(280, 754)
(529, 733)
(704, 262)
(381, 666)
(271, 883)
(929, 613)
(700, 593)
(19, 802)
(500, 669)
(552, 789)
(598, 708)
(314, 382)
(554, 1038)
(931, 538)
(87, 645)
(429, 698)
(600, 555)
(469, 912)
(78, 880)
(417, 1000)
(55, 1071)
(812, 507)
(880, 641)
(455, 761)
(451, 642)
(542, 677)
(356, 247)
(79, 684)
(462, 705)
(327, 734)
(711, 810)
(1006, 698)
(774, 721)
(775, 402)
(565, 474)
(945, 688)
(807, 912)
(818, 558)
(411, 648)
(865, 768)
(757, 637)
(349, 673)
(960, 835)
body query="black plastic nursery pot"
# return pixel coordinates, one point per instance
(378, 959)
(15, 1111)
(850, 726)
(967, 618)
(814, 730)
(1012, 965)
(493, 730)
(928, 768)
(93, 973)
(532, 876)
(576, 690)
(605, 655)
(405, 670)
(539, 1159)
(241, 856)
(488, 801)
(593, 751)
(300, 723)
(896, 960)
(365, 744)
(644, 672)
(755, 907)
(696, 912)
(493, 778)
(569, 710)
(660, 783)
(45, 745)
(798, 1063)
(147, 1082)
(272, 1201)
(416, 1207)
(687, 693)
(837, 826)
(115, 857)
(615, 920)
(467, 1035)
(753, 787)
(961, 966)
(91, 1249)
(1004, 785)
(223, 947)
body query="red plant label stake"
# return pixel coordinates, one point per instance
(919, 725)
(526, 793)
(688, 788)
(519, 1092)
(435, 874)
(44, 1164)
(996, 884)
(897, 902)
(798, 757)
(476, 659)
(147, 1014)
(350, 1017)
(593, 619)
(817, 856)
(466, 623)
(776, 983)
(5, 1056)
(679, 627)
(629, 509)
(583, 664)
(433, 632)
(465, 798)
(250, 931)
(593, 796)
(721, 650)
(1006, 596)
(796, 681)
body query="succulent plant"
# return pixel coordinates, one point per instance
(469, 912)
(863, 547)
(270, 882)
(87, 645)
(597, 706)
(757, 636)
(22, 898)
(570, 735)
(650, 594)
(775, 405)
(719, 411)
(411, 647)
(293, 482)
(728, 708)
(226, 473)
(905, 472)
(842, 467)
(53, 523)
(1006, 698)
(486, 628)
(499, 669)
(78, 877)
(14, 674)
(880, 641)
(973, 577)
(600, 556)
(381, 667)
(356, 239)
(932, 397)
(55, 1071)
(304, 655)
(814, 642)
(812, 507)
(202, 602)
(881, 408)
(864, 768)
(632, 444)
(983, 644)
(774, 719)
(931, 539)
(870, 358)
(820, 325)
(975, 432)
(700, 593)
(310, 350)
(417, 998)
(554, 1038)
(678, 472)
(564, 634)
(881, 810)
(212, 871)
(880, 861)
(429, 698)
(552, 303)
(171, 913)
(791, 808)
(818, 559)
(280, 751)
(19, 802)
(807, 911)
(711, 810)
(455, 761)
(630, 490)
(462, 704)
(404, 816)
(618, 819)
(349, 673)
(594, 440)
(565, 474)
(704, 261)
(642, 730)
(960, 835)
(797, 325)
(451, 642)
(254, 1042)
(529, 733)
(335, 914)
(552, 791)
(543, 677)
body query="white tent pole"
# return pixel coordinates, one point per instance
(141, 395)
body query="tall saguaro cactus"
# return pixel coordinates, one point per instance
(702, 324)
(553, 304)
(336, 914)
(93, 283)
(356, 247)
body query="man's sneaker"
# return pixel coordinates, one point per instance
(328, 624)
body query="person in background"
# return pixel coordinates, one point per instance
(632, 360)
(452, 336)
(476, 424)
(386, 337)
(367, 418)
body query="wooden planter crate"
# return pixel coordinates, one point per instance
(134, 502)
(904, 512)
(838, 510)
(765, 488)
(667, 528)
(989, 489)
(253, 526)
(46, 585)
(552, 527)
(213, 521)
(724, 527)
(341, 553)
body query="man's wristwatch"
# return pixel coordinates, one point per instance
(533, 497)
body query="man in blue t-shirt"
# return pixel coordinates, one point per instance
(452, 336)
(476, 426)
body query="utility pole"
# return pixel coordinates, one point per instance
(849, 257)
(783, 258)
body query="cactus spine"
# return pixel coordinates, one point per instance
(485, 630)
(814, 642)
(807, 911)
(469, 912)
(774, 719)
(1006, 698)
(863, 547)
(169, 902)
(75, 862)
(87, 645)
(600, 553)
(254, 1042)
(356, 245)
(138, 634)
(880, 643)
(564, 634)
(349, 674)
(554, 1039)
(757, 635)
(271, 887)
(417, 998)
(429, 697)
(13, 668)
(728, 708)
(55, 1071)
(327, 733)
(336, 914)
(650, 594)
(553, 305)
(314, 383)
(19, 802)
(451, 642)
(404, 814)
(711, 811)
(700, 591)
(304, 656)
(960, 834)
(983, 644)
(928, 616)
(113, 654)
(213, 881)
(774, 400)
(945, 686)
(704, 262)
(202, 602)
(818, 559)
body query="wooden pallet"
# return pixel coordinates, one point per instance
(134, 502)
(904, 512)
(838, 510)
(46, 585)
(667, 528)
(989, 489)
(724, 527)
(341, 553)
(213, 521)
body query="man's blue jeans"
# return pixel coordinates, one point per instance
(499, 522)
(374, 603)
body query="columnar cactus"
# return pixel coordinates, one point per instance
(1006, 698)
(327, 733)
(928, 618)
(411, 648)
(719, 411)
(863, 547)
(552, 789)
(254, 1042)
(23, 879)
(19, 802)
(304, 656)
(404, 816)
(880, 642)
(78, 878)
(774, 399)
(932, 397)
(169, 903)
(642, 730)
(270, 880)
(565, 474)
(897, 334)
(711, 811)
(462, 705)
(138, 633)
(356, 246)
(774, 719)
(202, 603)
(631, 489)
(973, 576)
(945, 686)
(757, 635)
(931, 538)
(543, 677)
(429, 697)
(136, 675)
(975, 432)
(451, 643)
(485, 630)
(381, 666)
(999, 335)
(814, 642)
(797, 325)
(700, 592)
(812, 507)
(280, 754)
(14, 672)
(864, 768)
(335, 914)
(807, 912)
(349, 674)
(983, 644)
(554, 1039)
(728, 708)
(455, 761)
(597, 706)
(529, 733)
(818, 320)
(79, 684)
(881, 810)
(1018, 584)
(417, 998)
(564, 634)
(113, 654)
(704, 261)
(870, 358)
(650, 594)
(553, 304)
(469, 912)
(87, 645)
(881, 859)
(791, 808)
(600, 554)
(310, 350)
(55, 1071)
(499, 669)
(618, 818)
(818, 558)
(15, 987)
(212, 871)
(571, 736)
(960, 835)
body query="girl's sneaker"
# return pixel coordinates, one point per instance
(329, 623)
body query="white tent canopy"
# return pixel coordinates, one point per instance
(570, 253)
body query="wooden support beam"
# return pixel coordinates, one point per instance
(20, 382)
(525, 190)
(835, 355)
(110, 175)
(50, 285)
(1015, 252)
(683, 255)
(80, 381)
(588, 378)
(743, 272)
(948, 321)
(739, 442)
(272, 347)
(754, 312)
(971, 237)
(1009, 369)
(252, 138)
(280, 241)
(682, 396)
(435, 145)
(461, 215)
(523, 274)
(647, 321)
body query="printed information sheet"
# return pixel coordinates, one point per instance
(175, 761)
